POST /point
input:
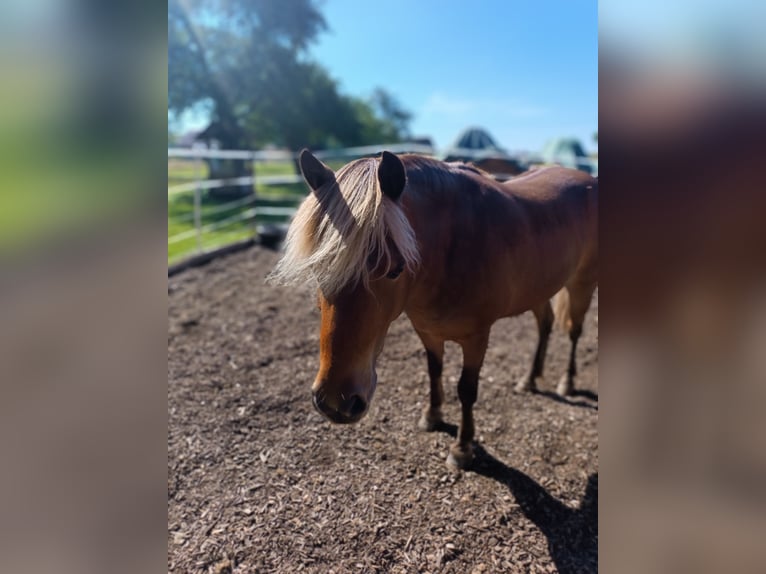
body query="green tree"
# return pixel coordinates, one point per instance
(247, 61)
(391, 114)
(229, 52)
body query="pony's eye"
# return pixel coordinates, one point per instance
(395, 272)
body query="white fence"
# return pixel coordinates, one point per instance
(247, 208)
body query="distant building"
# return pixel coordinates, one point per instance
(219, 168)
(188, 140)
(475, 145)
(567, 152)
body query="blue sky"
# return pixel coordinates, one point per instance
(527, 70)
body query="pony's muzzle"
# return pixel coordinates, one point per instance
(347, 411)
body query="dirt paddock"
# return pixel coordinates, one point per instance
(258, 481)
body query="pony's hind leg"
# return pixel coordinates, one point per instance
(461, 452)
(544, 316)
(579, 299)
(432, 413)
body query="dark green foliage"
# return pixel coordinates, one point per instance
(247, 61)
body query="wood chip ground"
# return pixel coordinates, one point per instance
(258, 481)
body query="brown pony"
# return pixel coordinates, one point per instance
(451, 248)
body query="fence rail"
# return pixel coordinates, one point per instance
(253, 206)
(286, 155)
(218, 209)
(242, 216)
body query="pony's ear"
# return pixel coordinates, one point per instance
(314, 171)
(391, 175)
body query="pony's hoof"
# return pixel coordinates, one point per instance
(460, 458)
(525, 386)
(565, 387)
(430, 420)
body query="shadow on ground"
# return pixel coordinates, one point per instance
(591, 396)
(572, 533)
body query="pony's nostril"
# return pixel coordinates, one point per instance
(319, 403)
(356, 406)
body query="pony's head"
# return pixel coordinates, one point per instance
(351, 237)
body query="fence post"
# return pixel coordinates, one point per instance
(198, 215)
(253, 223)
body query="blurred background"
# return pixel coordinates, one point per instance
(682, 439)
(79, 95)
(82, 286)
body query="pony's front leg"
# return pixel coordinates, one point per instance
(461, 452)
(432, 415)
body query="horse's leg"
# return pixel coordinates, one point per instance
(461, 452)
(432, 413)
(544, 316)
(580, 297)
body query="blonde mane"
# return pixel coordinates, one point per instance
(339, 227)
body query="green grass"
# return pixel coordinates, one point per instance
(181, 207)
(183, 171)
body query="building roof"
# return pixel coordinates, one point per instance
(472, 144)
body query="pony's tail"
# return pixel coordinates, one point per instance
(561, 309)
